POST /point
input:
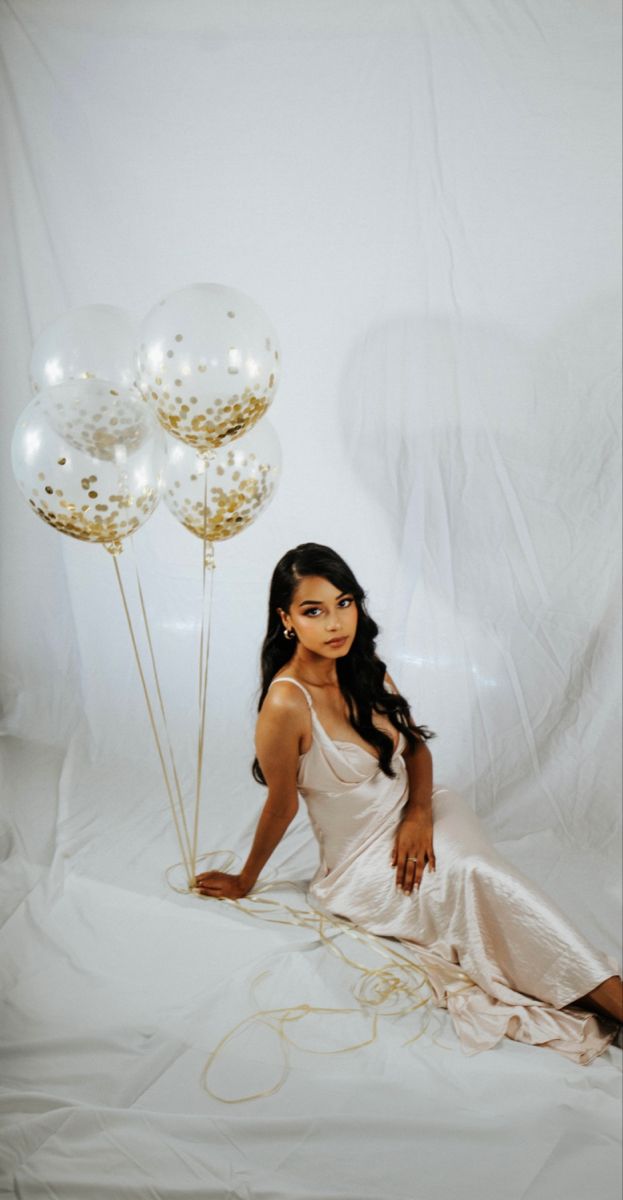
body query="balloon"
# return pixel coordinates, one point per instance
(94, 342)
(209, 363)
(239, 482)
(89, 459)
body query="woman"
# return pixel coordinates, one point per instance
(398, 856)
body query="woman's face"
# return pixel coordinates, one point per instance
(319, 614)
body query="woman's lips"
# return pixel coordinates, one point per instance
(337, 641)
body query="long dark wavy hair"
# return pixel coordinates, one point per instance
(360, 673)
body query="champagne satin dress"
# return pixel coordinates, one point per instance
(476, 915)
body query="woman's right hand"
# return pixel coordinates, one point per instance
(221, 885)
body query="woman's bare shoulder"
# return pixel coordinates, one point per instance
(283, 720)
(286, 694)
(285, 700)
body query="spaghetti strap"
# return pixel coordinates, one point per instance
(289, 679)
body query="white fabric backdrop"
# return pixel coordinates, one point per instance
(425, 198)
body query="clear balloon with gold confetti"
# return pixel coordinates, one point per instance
(97, 341)
(88, 458)
(209, 363)
(217, 496)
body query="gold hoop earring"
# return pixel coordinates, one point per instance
(289, 634)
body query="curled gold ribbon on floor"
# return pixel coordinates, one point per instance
(376, 992)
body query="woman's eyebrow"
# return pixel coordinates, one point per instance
(320, 601)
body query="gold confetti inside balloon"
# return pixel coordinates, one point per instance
(238, 482)
(97, 341)
(89, 457)
(209, 363)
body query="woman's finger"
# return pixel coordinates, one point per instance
(413, 874)
(404, 873)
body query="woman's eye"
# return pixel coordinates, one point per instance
(309, 612)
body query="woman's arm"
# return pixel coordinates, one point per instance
(413, 844)
(279, 728)
(420, 771)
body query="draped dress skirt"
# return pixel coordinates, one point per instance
(475, 915)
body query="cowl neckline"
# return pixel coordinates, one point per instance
(345, 742)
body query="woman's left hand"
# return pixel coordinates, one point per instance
(414, 839)
(220, 885)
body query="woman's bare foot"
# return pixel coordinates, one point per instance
(606, 998)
